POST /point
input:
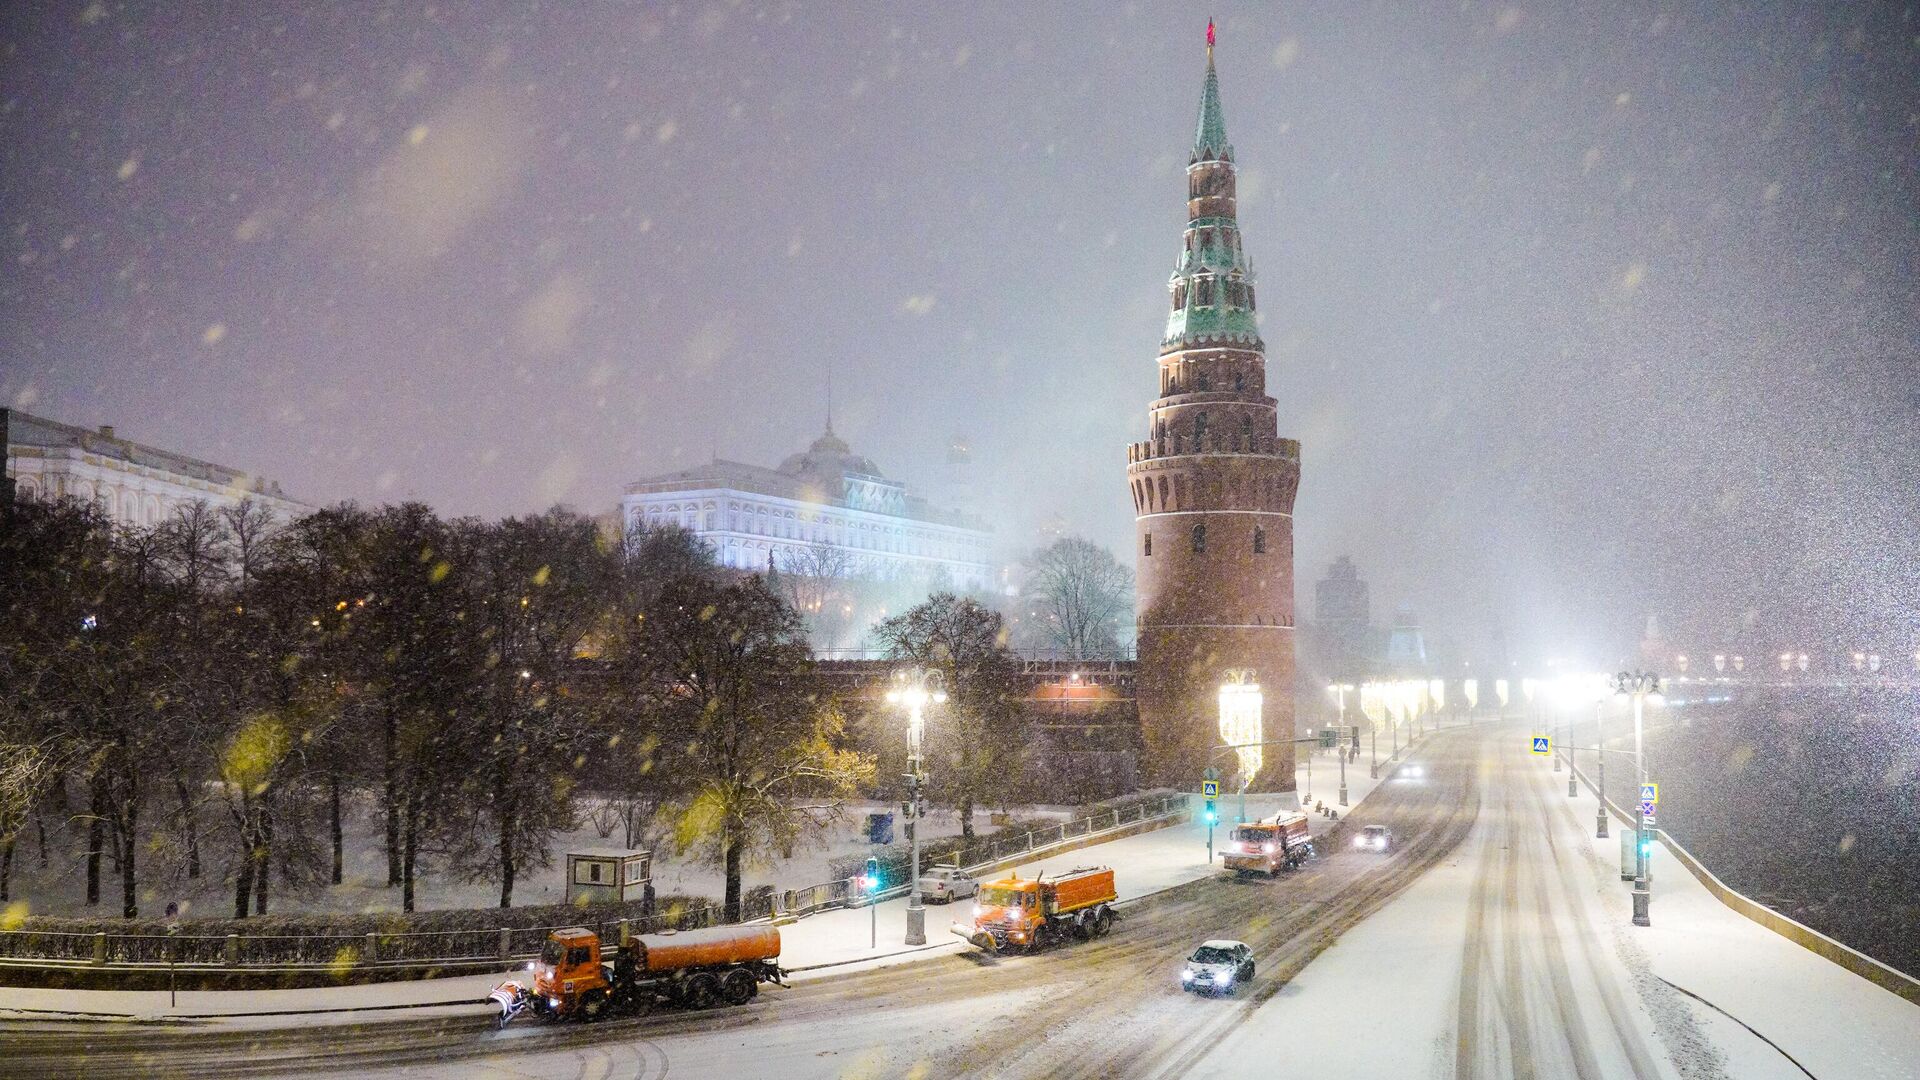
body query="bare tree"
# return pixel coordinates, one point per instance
(979, 733)
(815, 580)
(1081, 593)
(762, 765)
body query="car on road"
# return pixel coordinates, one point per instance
(1217, 967)
(1374, 838)
(946, 883)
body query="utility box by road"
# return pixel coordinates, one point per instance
(607, 875)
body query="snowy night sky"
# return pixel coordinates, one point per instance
(1581, 311)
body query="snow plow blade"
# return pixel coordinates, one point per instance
(978, 939)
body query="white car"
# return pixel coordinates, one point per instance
(1374, 838)
(1218, 967)
(946, 883)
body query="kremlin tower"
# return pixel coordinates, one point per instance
(1213, 487)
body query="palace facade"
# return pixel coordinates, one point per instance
(824, 512)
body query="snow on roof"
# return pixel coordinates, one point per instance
(1223, 943)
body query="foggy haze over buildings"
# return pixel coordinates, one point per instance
(1578, 314)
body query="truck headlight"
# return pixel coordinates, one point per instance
(1268, 849)
(553, 1003)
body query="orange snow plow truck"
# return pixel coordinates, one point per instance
(696, 969)
(1268, 845)
(1030, 913)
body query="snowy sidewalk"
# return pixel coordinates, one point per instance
(827, 943)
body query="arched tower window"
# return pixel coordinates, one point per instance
(1146, 543)
(1259, 540)
(1199, 426)
(1200, 538)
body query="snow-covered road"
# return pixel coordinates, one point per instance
(1494, 942)
(1515, 957)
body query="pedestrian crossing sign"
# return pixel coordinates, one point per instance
(1210, 788)
(1650, 794)
(1543, 744)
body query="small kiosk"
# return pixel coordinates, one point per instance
(608, 875)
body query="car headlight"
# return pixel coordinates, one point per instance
(1186, 975)
(1380, 843)
(1359, 841)
(1222, 978)
(553, 1003)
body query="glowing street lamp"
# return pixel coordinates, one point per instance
(1340, 690)
(913, 690)
(1639, 685)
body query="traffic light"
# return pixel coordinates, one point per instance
(1646, 845)
(1211, 816)
(1356, 736)
(870, 881)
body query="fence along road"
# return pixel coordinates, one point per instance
(340, 956)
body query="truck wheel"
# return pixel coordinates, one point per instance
(593, 1005)
(738, 987)
(702, 991)
(1103, 922)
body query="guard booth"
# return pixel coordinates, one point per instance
(608, 875)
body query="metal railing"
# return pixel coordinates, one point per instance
(983, 852)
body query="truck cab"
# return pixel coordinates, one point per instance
(569, 974)
(1009, 910)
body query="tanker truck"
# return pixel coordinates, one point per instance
(1031, 913)
(697, 969)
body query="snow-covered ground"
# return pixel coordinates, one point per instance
(60, 888)
(828, 942)
(1516, 956)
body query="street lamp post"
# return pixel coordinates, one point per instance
(914, 690)
(1600, 744)
(1340, 691)
(1566, 725)
(1373, 744)
(1639, 685)
(1342, 755)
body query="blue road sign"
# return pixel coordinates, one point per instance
(1543, 744)
(1650, 794)
(1210, 788)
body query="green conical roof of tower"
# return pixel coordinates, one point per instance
(1210, 140)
